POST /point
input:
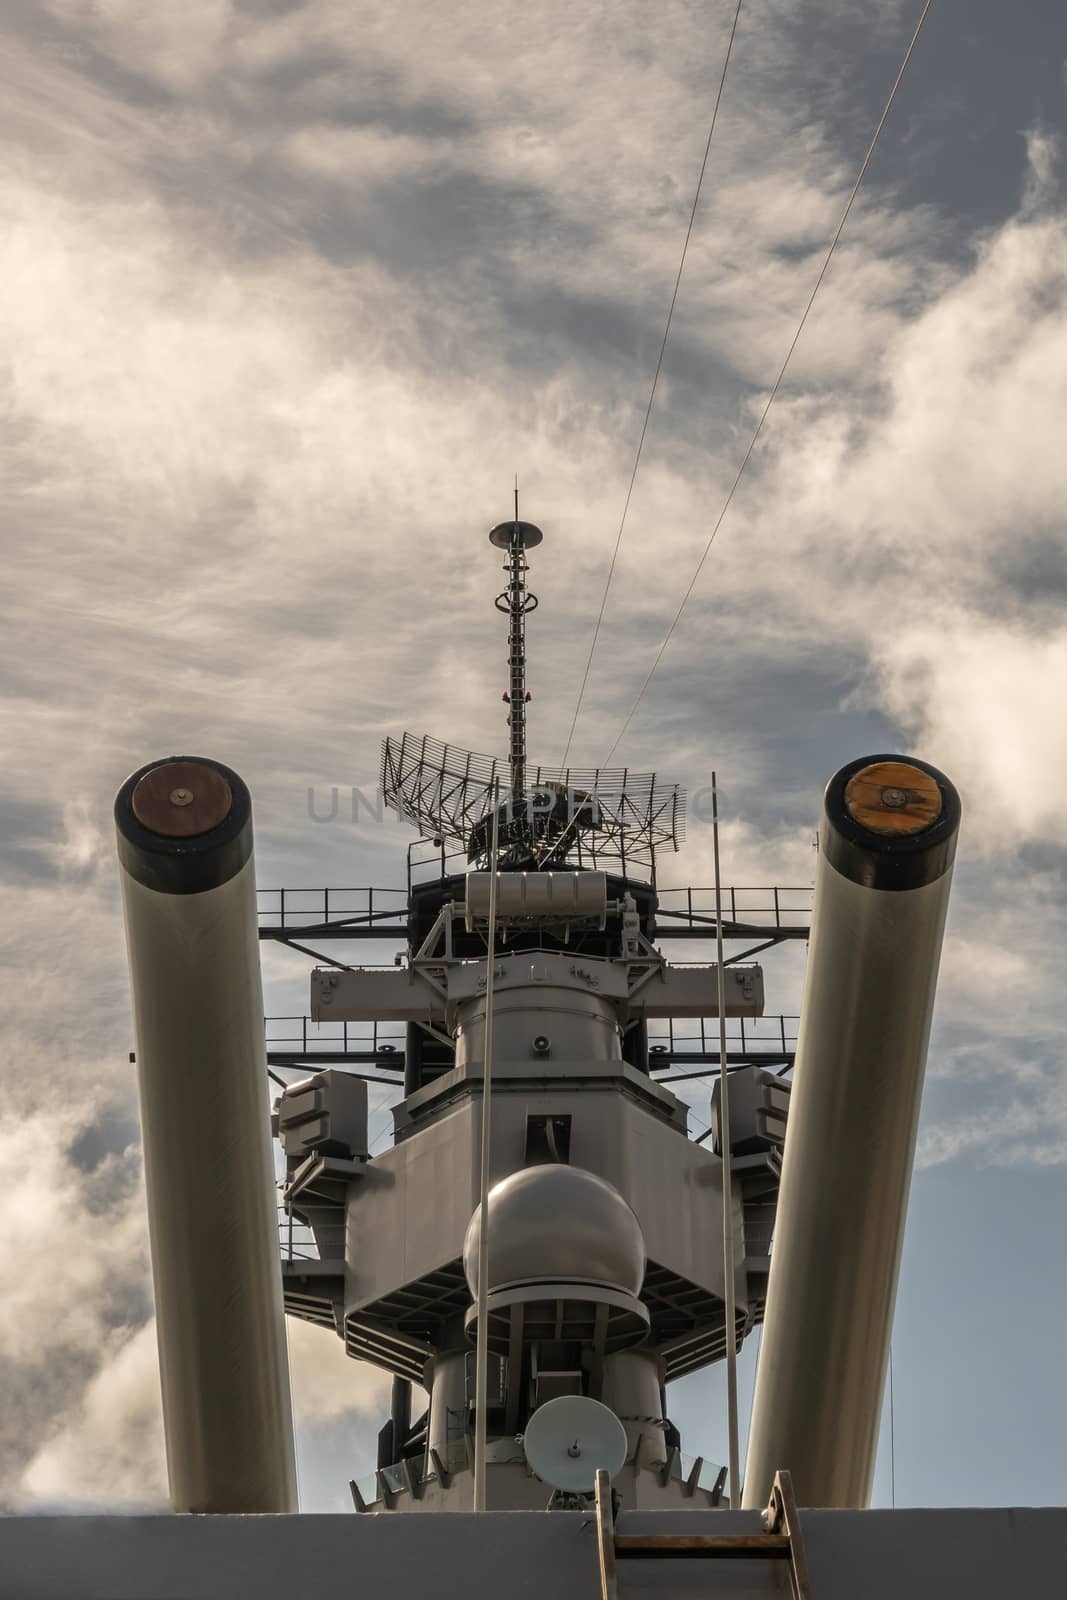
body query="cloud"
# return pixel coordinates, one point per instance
(78, 1285)
(287, 303)
(107, 1455)
(327, 1385)
(1043, 151)
(1014, 1133)
(989, 700)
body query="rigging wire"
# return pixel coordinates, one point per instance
(727, 1184)
(481, 1342)
(777, 383)
(892, 1436)
(652, 392)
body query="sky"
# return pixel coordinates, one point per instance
(291, 291)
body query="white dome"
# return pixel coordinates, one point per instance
(557, 1224)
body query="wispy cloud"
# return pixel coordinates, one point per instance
(288, 297)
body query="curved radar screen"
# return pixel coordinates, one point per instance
(569, 1439)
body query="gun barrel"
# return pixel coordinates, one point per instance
(886, 852)
(188, 887)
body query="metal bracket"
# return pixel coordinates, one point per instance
(782, 1540)
(428, 960)
(316, 1167)
(782, 1518)
(441, 929)
(668, 1465)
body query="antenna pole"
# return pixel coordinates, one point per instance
(727, 1176)
(517, 666)
(516, 538)
(481, 1351)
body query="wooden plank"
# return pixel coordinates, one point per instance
(605, 1536)
(893, 797)
(772, 1546)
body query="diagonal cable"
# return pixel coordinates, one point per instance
(777, 385)
(652, 392)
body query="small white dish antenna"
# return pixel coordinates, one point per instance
(569, 1439)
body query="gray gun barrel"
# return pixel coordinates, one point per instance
(886, 851)
(189, 896)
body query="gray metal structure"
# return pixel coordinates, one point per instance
(586, 1148)
(575, 1122)
(188, 887)
(851, 1555)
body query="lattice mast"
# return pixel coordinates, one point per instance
(590, 816)
(516, 600)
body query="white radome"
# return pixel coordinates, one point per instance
(557, 1224)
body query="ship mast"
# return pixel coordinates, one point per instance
(516, 600)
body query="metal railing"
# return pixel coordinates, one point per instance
(375, 913)
(766, 1040)
(430, 863)
(298, 1242)
(780, 910)
(357, 913)
(298, 1041)
(294, 1040)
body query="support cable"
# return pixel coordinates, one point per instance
(727, 1178)
(892, 1436)
(777, 384)
(481, 1356)
(652, 393)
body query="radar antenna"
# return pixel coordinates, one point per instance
(592, 816)
(516, 600)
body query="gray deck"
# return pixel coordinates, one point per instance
(920, 1555)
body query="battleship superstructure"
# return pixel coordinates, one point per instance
(604, 1276)
(533, 928)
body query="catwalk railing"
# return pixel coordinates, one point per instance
(679, 1053)
(298, 1041)
(769, 913)
(299, 1243)
(333, 913)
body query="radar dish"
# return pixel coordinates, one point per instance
(568, 1440)
(591, 816)
(504, 533)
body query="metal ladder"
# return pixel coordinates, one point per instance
(781, 1540)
